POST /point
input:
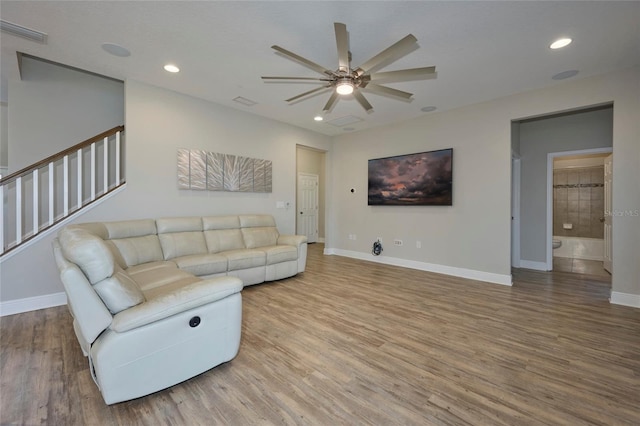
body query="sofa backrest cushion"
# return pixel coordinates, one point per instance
(119, 292)
(88, 251)
(258, 230)
(137, 250)
(260, 237)
(224, 240)
(256, 220)
(130, 228)
(178, 244)
(210, 223)
(181, 236)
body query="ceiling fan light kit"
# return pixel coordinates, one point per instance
(346, 80)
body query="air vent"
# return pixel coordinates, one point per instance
(244, 101)
(344, 121)
(24, 32)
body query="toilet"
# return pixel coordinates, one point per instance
(556, 243)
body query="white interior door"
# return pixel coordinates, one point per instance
(307, 204)
(608, 180)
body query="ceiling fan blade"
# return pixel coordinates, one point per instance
(331, 102)
(397, 48)
(362, 100)
(296, 78)
(404, 75)
(309, 64)
(302, 95)
(342, 42)
(388, 91)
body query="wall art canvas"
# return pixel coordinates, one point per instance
(422, 179)
(202, 170)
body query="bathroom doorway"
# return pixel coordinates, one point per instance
(576, 211)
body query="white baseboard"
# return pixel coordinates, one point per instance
(423, 266)
(530, 264)
(625, 299)
(11, 307)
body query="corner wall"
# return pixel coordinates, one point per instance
(157, 123)
(475, 232)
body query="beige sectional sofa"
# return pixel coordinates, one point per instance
(155, 302)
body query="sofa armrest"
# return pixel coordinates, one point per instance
(292, 240)
(180, 300)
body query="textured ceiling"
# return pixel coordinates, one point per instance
(482, 50)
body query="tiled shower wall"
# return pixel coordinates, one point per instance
(578, 199)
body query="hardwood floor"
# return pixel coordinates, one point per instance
(353, 342)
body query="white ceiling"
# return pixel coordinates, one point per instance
(482, 50)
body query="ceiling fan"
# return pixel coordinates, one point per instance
(347, 80)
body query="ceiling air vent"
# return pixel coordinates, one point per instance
(20, 31)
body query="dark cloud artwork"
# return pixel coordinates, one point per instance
(423, 179)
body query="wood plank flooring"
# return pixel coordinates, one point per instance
(352, 342)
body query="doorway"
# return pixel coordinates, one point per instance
(576, 205)
(310, 193)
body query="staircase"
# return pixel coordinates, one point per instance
(37, 198)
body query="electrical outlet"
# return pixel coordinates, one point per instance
(352, 236)
(397, 242)
(418, 244)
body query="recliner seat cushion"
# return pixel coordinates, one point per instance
(244, 259)
(223, 240)
(279, 254)
(202, 264)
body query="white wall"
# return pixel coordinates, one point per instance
(567, 132)
(53, 108)
(158, 122)
(474, 233)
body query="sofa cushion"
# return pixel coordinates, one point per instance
(244, 259)
(202, 264)
(210, 223)
(260, 237)
(176, 244)
(119, 292)
(159, 277)
(224, 240)
(151, 265)
(130, 228)
(137, 250)
(178, 224)
(278, 254)
(87, 251)
(256, 220)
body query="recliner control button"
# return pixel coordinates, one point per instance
(194, 322)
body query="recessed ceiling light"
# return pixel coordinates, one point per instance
(562, 42)
(171, 68)
(318, 118)
(428, 109)
(116, 50)
(565, 74)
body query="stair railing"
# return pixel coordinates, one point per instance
(39, 196)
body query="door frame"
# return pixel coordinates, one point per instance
(515, 209)
(550, 157)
